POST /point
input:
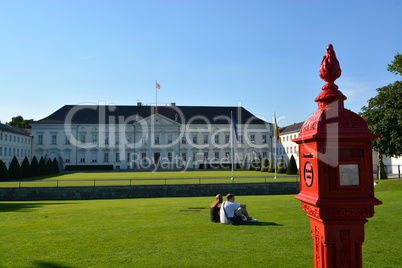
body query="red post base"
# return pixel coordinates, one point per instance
(337, 243)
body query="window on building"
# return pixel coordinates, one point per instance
(241, 156)
(5, 151)
(106, 140)
(128, 157)
(94, 139)
(205, 156)
(170, 139)
(1, 136)
(106, 157)
(252, 138)
(195, 139)
(40, 139)
(170, 156)
(82, 138)
(1, 150)
(216, 155)
(129, 138)
(183, 140)
(67, 139)
(67, 157)
(205, 139)
(144, 139)
(5, 137)
(54, 139)
(264, 139)
(82, 157)
(94, 157)
(217, 139)
(117, 139)
(227, 138)
(184, 156)
(194, 156)
(157, 139)
(264, 154)
(143, 157)
(241, 139)
(117, 157)
(227, 155)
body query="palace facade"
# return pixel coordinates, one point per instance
(141, 137)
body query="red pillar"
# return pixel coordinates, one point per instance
(336, 174)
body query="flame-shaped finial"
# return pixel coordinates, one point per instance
(329, 68)
(329, 71)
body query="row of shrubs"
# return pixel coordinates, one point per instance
(28, 170)
(267, 166)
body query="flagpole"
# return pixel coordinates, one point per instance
(231, 132)
(156, 94)
(276, 141)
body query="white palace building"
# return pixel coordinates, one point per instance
(141, 136)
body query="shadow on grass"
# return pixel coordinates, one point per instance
(49, 264)
(23, 207)
(262, 223)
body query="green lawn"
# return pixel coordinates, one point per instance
(176, 232)
(136, 178)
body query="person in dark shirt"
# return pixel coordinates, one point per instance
(215, 208)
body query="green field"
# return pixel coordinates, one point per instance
(136, 178)
(176, 232)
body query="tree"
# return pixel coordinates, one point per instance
(292, 167)
(42, 167)
(271, 165)
(396, 65)
(14, 170)
(49, 167)
(20, 122)
(383, 115)
(26, 170)
(265, 165)
(257, 164)
(282, 166)
(3, 172)
(56, 166)
(35, 167)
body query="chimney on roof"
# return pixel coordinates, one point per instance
(173, 104)
(139, 103)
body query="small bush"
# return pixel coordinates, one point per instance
(292, 167)
(42, 167)
(14, 170)
(26, 169)
(35, 167)
(257, 165)
(271, 165)
(49, 167)
(56, 166)
(265, 165)
(281, 166)
(3, 172)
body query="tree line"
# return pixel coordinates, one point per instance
(268, 166)
(28, 170)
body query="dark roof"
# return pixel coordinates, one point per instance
(291, 128)
(93, 114)
(16, 130)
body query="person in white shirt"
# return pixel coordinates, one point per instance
(234, 213)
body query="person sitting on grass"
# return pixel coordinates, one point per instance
(215, 208)
(233, 213)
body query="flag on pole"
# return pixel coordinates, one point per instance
(235, 128)
(158, 86)
(278, 137)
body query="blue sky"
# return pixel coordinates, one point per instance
(264, 55)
